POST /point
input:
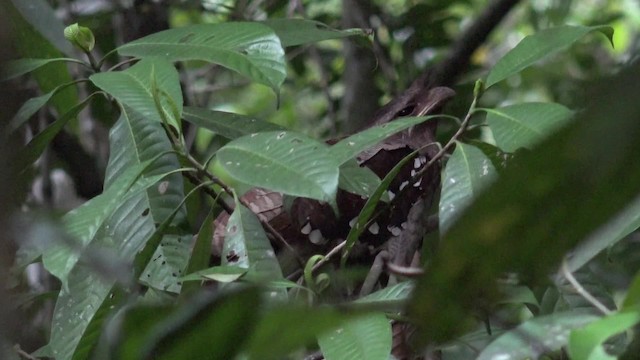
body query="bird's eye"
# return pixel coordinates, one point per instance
(406, 111)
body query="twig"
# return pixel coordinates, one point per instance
(23, 353)
(566, 273)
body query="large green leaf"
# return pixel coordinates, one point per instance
(536, 336)
(84, 222)
(252, 49)
(136, 142)
(282, 161)
(522, 125)
(134, 88)
(135, 139)
(540, 45)
(227, 125)
(205, 327)
(560, 192)
(294, 32)
(358, 180)
(348, 148)
(588, 343)
(366, 337)
(247, 246)
(467, 173)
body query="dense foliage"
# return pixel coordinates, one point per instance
(166, 125)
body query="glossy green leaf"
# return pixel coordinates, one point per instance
(134, 88)
(15, 68)
(541, 334)
(228, 125)
(294, 32)
(287, 162)
(350, 147)
(247, 246)
(467, 173)
(366, 337)
(358, 180)
(573, 187)
(588, 342)
(251, 49)
(136, 139)
(188, 331)
(523, 125)
(615, 230)
(540, 45)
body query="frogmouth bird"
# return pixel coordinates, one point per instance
(314, 222)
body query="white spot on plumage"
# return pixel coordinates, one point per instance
(316, 237)
(395, 231)
(374, 228)
(306, 229)
(417, 163)
(391, 195)
(404, 183)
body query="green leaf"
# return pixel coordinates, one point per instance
(35, 29)
(467, 173)
(540, 45)
(135, 142)
(358, 180)
(572, 188)
(350, 147)
(228, 125)
(391, 298)
(36, 146)
(543, 334)
(370, 206)
(247, 246)
(15, 68)
(201, 253)
(284, 329)
(613, 231)
(632, 298)
(31, 106)
(290, 163)
(251, 49)
(133, 87)
(588, 343)
(366, 337)
(223, 274)
(84, 222)
(294, 32)
(523, 125)
(188, 331)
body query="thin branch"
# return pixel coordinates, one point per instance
(566, 273)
